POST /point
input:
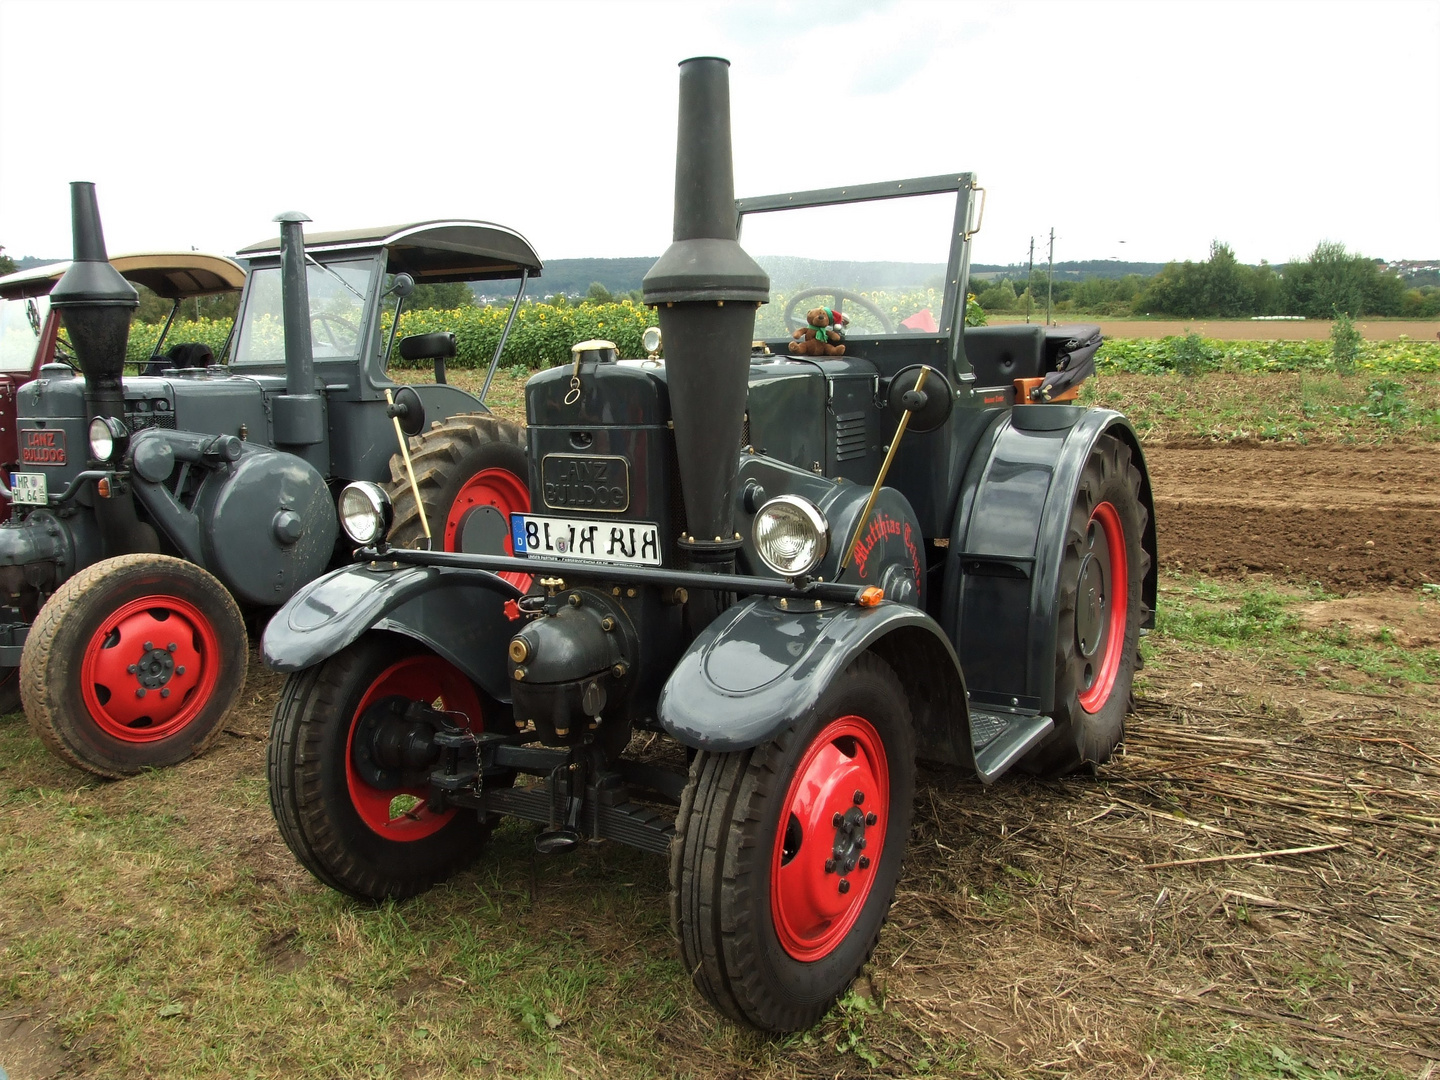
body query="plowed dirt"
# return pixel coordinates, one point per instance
(1352, 517)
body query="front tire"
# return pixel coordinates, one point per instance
(133, 664)
(780, 877)
(348, 831)
(1100, 611)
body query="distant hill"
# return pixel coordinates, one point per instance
(1070, 271)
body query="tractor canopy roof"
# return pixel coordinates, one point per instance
(174, 275)
(429, 251)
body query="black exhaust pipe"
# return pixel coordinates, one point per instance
(706, 289)
(299, 415)
(96, 303)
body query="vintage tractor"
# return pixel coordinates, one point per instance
(158, 512)
(808, 572)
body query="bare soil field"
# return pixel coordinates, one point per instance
(1347, 517)
(1246, 329)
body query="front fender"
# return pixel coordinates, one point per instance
(457, 613)
(759, 668)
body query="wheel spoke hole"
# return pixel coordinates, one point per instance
(405, 806)
(794, 837)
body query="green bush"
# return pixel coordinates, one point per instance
(1345, 342)
(1148, 356)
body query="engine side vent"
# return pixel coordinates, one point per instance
(849, 436)
(137, 421)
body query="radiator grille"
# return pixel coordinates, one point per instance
(137, 421)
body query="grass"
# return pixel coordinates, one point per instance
(1296, 407)
(1264, 621)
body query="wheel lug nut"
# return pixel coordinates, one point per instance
(171, 647)
(864, 862)
(132, 669)
(149, 646)
(140, 691)
(849, 865)
(180, 670)
(829, 866)
(844, 886)
(860, 842)
(870, 818)
(165, 692)
(859, 797)
(837, 820)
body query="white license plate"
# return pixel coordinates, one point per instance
(630, 542)
(28, 488)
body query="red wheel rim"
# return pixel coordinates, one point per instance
(149, 669)
(1115, 605)
(501, 489)
(424, 678)
(821, 827)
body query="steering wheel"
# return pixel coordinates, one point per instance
(333, 323)
(792, 323)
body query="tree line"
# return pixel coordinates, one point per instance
(1330, 280)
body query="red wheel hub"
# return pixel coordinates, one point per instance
(424, 678)
(1102, 605)
(498, 488)
(830, 838)
(150, 668)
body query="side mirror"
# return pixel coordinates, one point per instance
(402, 286)
(409, 410)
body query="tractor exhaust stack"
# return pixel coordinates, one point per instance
(706, 289)
(299, 412)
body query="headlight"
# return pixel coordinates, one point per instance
(791, 535)
(106, 433)
(650, 339)
(365, 512)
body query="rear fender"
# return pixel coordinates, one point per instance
(459, 614)
(1002, 573)
(759, 668)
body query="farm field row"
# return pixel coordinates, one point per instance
(1242, 329)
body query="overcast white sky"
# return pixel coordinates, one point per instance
(1138, 130)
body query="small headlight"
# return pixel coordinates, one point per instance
(106, 433)
(650, 339)
(365, 512)
(791, 535)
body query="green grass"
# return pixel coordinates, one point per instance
(1239, 1054)
(1262, 621)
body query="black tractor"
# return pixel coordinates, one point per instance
(809, 569)
(161, 513)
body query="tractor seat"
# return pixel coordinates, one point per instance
(1001, 354)
(437, 346)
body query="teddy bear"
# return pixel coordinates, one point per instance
(823, 335)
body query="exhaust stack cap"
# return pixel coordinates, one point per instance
(706, 262)
(95, 303)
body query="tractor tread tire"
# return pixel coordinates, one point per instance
(50, 663)
(437, 455)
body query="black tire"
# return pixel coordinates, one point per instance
(133, 664)
(9, 690)
(448, 459)
(322, 805)
(749, 936)
(1095, 659)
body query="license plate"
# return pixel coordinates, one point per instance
(631, 542)
(28, 488)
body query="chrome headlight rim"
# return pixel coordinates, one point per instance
(651, 340)
(107, 438)
(798, 509)
(365, 512)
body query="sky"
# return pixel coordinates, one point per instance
(1137, 131)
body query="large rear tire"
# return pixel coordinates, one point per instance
(133, 664)
(787, 855)
(347, 830)
(1100, 611)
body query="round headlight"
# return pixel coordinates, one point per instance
(791, 535)
(650, 339)
(105, 434)
(365, 512)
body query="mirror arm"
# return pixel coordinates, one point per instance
(499, 347)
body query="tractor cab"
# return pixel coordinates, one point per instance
(31, 336)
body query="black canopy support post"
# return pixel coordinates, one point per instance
(164, 330)
(706, 289)
(505, 333)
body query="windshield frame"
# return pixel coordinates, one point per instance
(35, 310)
(957, 269)
(367, 320)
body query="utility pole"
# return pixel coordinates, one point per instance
(1030, 273)
(1050, 277)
